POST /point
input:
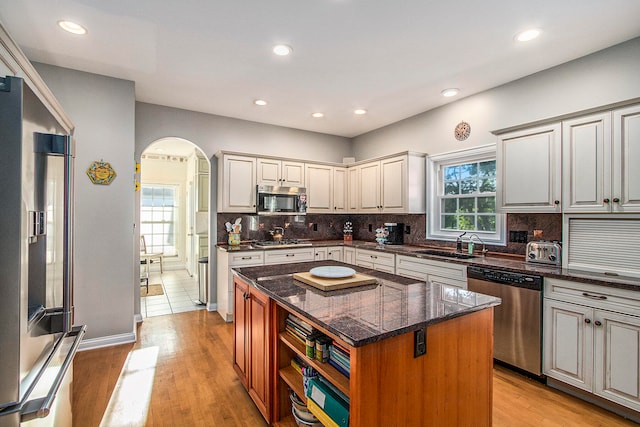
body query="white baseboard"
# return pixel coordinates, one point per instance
(212, 306)
(109, 341)
(137, 318)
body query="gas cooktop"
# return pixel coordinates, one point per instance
(287, 243)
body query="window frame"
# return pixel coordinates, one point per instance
(435, 170)
(176, 213)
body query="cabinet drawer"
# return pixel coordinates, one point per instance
(615, 299)
(288, 256)
(428, 266)
(246, 258)
(378, 258)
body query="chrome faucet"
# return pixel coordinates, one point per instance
(484, 250)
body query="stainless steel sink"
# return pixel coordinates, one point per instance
(448, 254)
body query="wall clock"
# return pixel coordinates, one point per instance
(462, 131)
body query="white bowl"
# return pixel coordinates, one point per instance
(303, 423)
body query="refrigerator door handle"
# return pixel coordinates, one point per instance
(40, 407)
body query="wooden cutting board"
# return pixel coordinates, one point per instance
(327, 284)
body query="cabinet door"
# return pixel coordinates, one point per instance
(321, 254)
(626, 158)
(339, 190)
(334, 253)
(393, 184)
(369, 187)
(268, 171)
(617, 358)
(292, 174)
(529, 170)
(586, 157)
(349, 255)
(568, 343)
(203, 192)
(319, 183)
(353, 189)
(241, 331)
(260, 370)
(238, 182)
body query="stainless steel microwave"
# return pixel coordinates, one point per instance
(275, 200)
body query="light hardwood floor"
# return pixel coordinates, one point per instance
(179, 373)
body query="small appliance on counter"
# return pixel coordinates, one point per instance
(544, 252)
(396, 233)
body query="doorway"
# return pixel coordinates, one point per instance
(174, 221)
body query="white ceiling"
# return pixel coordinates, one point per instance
(392, 58)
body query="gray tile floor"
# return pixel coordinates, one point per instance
(180, 294)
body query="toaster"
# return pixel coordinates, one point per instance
(544, 252)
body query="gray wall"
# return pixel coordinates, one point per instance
(213, 133)
(606, 77)
(103, 111)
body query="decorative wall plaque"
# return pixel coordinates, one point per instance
(101, 173)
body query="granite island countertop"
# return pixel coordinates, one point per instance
(365, 314)
(508, 263)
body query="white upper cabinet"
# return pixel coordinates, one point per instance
(586, 158)
(280, 172)
(236, 183)
(599, 162)
(529, 170)
(369, 186)
(340, 192)
(390, 185)
(319, 188)
(353, 189)
(626, 158)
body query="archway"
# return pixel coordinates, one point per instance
(172, 218)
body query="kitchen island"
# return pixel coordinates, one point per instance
(382, 325)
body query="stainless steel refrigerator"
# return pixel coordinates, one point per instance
(37, 338)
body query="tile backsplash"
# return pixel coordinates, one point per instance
(323, 227)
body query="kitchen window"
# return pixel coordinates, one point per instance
(462, 196)
(159, 218)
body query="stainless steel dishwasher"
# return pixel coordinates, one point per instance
(518, 320)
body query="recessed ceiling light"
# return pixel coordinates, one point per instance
(72, 27)
(317, 115)
(360, 111)
(260, 102)
(450, 92)
(527, 35)
(282, 49)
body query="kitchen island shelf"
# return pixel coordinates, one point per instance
(293, 379)
(324, 369)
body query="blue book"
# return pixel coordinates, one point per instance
(341, 369)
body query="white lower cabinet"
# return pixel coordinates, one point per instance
(439, 272)
(376, 260)
(226, 260)
(328, 252)
(285, 256)
(592, 339)
(349, 255)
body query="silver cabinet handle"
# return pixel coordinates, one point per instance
(291, 255)
(598, 297)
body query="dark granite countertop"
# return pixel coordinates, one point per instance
(509, 263)
(369, 313)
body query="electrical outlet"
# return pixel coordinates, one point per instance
(518, 236)
(407, 229)
(370, 228)
(420, 343)
(315, 227)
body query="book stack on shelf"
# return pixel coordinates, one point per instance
(300, 329)
(339, 358)
(329, 405)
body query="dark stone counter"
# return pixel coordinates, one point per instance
(369, 313)
(511, 263)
